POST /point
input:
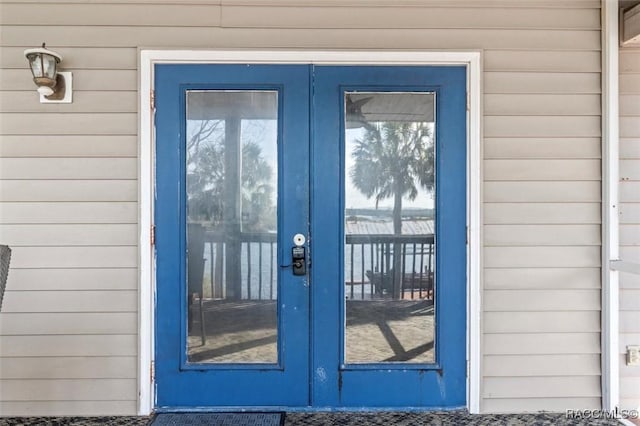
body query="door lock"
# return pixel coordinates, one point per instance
(298, 260)
(298, 255)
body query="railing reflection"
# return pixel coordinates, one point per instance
(369, 269)
(370, 272)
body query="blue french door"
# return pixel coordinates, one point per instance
(388, 216)
(368, 165)
(232, 321)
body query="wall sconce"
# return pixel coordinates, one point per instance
(53, 86)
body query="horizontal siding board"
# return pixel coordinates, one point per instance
(541, 322)
(211, 37)
(541, 213)
(631, 281)
(630, 191)
(630, 148)
(69, 389)
(630, 105)
(630, 235)
(538, 192)
(543, 60)
(541, 126)
(60, 279)
(68, 168)
(70, 124)
(52, 323)
(630, 127)
(72, 213)
(629, 60)
(83, 102)
(83, 80)
(68, 190)
(548, 148)
(541, 301)
(630, 301)
(626, 339)
(630, 320)
(541, 83)
(76, 58)
(629, 403)
(71, 301)
(541, 365)
(74, 257)
(630, 169)
(68, 408)
(629, 387)
(535, 405)
(123, 367)
(541, 387)
(78, 345)
(541, 235)
(407, 17)
(542, 169)
(629, 84)
(544, 105)
(541, 343)
(541, 257)
(628, 370)
(125, 14)
(630, 253)
(69, 235)
(46, 146)
(541, 278)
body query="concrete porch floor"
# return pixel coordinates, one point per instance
(453, 418)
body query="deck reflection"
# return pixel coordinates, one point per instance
(384, 330)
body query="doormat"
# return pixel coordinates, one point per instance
(218, 419)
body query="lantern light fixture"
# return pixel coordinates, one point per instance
(53, 86)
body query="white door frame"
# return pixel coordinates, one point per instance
(150, 57)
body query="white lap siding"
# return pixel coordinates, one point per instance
(629, 221)
(68, 183)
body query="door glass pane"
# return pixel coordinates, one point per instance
(231, 185)
(389, 254)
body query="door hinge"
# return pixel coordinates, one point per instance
(152, 371)
(153, 235)
(152, 100)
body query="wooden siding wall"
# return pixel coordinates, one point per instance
(68, 188)
(629, 220)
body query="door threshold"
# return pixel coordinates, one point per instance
(297, 409)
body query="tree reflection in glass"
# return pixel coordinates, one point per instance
(231, 183)
(389, 242)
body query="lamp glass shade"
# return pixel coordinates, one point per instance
(43, 65)
(36, 65)
(49, 64)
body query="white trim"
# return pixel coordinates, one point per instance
(610, 230)
(148, 58)
(474, 247)
(146, 257)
